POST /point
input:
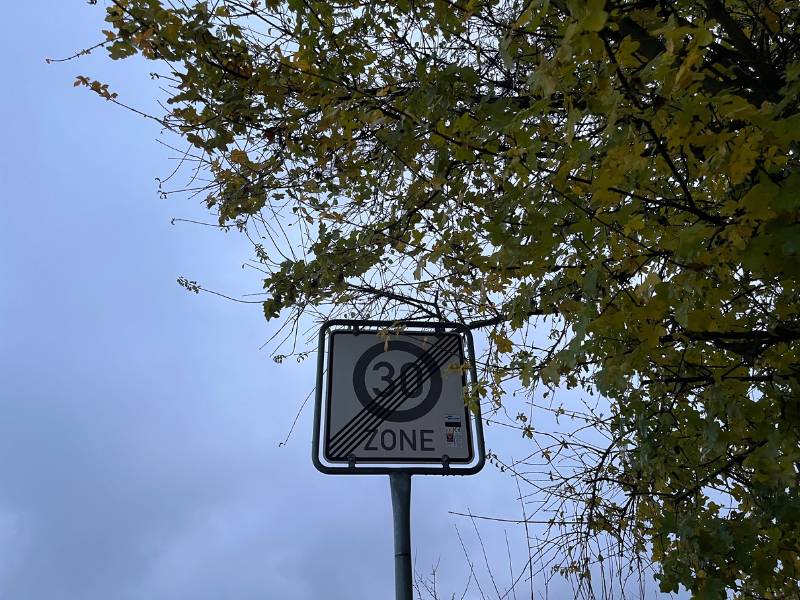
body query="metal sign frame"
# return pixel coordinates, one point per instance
(358, 468)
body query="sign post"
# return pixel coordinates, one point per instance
(400, 484)
(390, 399)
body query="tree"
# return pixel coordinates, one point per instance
(608, 188)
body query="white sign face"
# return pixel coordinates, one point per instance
(400, 400)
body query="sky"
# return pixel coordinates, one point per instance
(140, 423)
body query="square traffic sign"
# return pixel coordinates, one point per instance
(395, 399)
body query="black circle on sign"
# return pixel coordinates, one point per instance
(397, 416)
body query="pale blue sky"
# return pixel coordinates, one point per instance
(140, 424)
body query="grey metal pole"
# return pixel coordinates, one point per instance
(400, 484)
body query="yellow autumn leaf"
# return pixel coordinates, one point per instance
(502, 343)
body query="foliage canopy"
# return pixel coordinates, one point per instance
(610, 188)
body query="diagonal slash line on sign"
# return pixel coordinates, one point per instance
(389, 399)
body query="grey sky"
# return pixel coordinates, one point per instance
(140, 424)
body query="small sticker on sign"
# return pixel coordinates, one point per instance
(453, 433)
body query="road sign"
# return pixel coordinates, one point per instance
(390, 399)
(395, 400)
